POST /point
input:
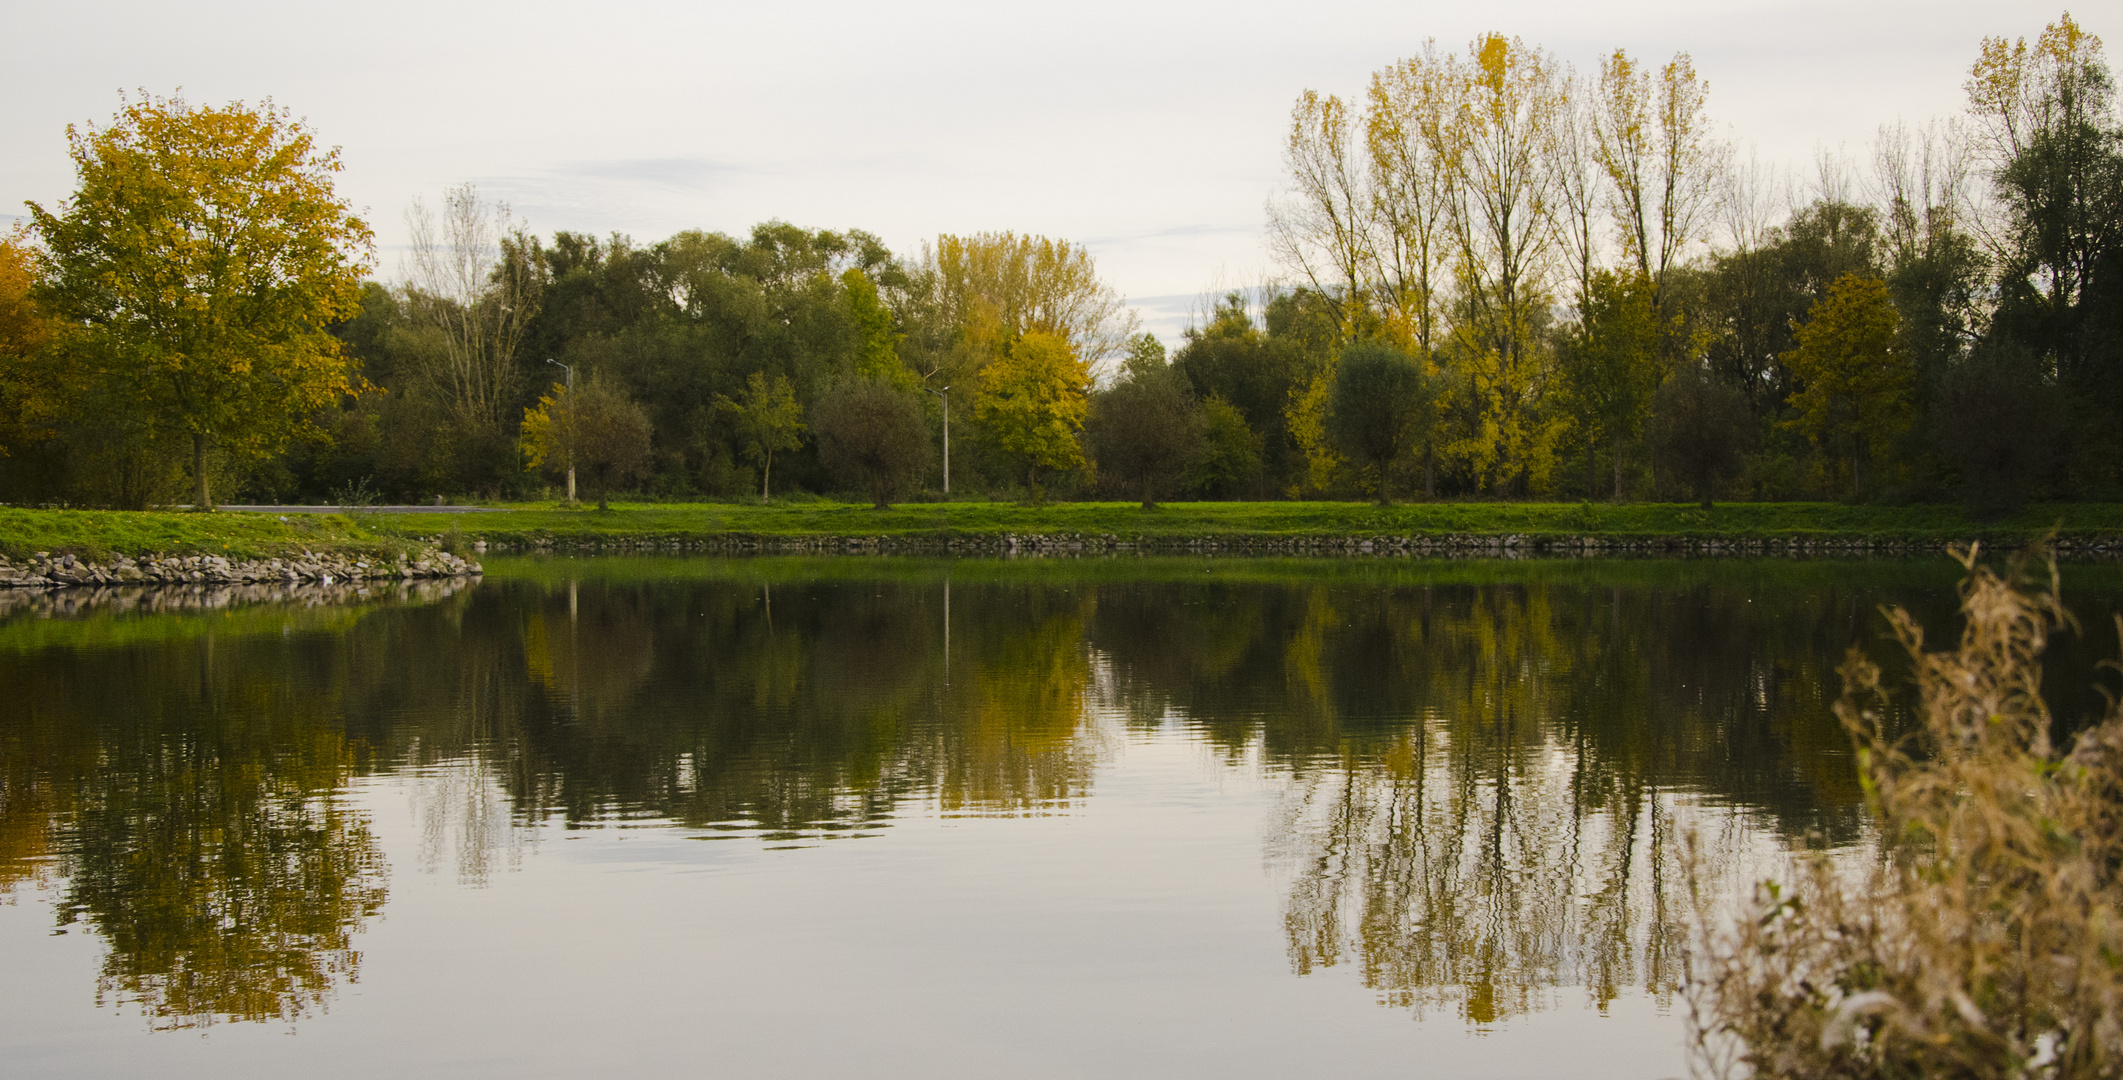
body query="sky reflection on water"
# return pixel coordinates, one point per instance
(760, 815)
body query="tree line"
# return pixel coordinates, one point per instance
(1504, 279)
(1520, 279)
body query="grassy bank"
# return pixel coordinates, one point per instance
(100, 534)
(248, 535)
(519, 524)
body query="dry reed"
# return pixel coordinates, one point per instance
(1987, 941)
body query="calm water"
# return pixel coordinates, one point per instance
(917, 818)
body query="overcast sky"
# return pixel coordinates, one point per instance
(1149, 132)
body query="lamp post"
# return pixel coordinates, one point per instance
(945, 394)
(571, 426)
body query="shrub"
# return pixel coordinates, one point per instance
(872, 436)
(1146, 429)
(1988, 941)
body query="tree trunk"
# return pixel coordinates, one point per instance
(1617, 466)
(1430, 474)
(202, 499)
(766, 470)
(1592, 466)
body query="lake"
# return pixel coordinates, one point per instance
(903, 817)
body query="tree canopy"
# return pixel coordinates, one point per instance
(205, 255)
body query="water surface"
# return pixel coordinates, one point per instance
(798, 817)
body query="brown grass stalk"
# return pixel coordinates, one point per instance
(1987, 940)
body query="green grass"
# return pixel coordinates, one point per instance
(99, 534)
(1178, 521)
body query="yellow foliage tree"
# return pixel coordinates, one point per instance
(204, 254)
(1031, 405)
(1307, 416)
(1855, 384)
(25, 329)
(876, 339)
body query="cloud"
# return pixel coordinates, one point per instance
(681, 173)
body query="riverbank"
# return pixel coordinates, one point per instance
(46, 570)
(57, 548)
(2083, 529)
(265, 545)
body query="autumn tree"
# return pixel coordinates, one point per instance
(1321, 227)
(872, 435)
(203, 256)
(1506, 246)
(1031, 406)
(769, 420)
(1412, 168)
(608, 433)
(2053, 145)
(971, 296)
(1854, 381)
(1653, 140)
(472, 279)
(1146, 429)
(26, 383)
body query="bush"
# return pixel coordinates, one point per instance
(2001, 426)
(1382, 409)
(1700, 431)
(1989, 940)
(872, 436)
(1146, 431)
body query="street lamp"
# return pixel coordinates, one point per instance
(945, 394)
(571, 426)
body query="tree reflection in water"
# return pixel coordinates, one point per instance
(1485, 781)
(1485, 774)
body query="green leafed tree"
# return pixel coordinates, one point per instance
(1382, 408)
(1700, 430)
(1609, 365)
(204, 254)
(608, 434)
(769, 420)
(1146, 429)
(1229, 460)
(872, 435)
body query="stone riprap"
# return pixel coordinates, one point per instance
(45, 570)
(1432, 546)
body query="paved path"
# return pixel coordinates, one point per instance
(361, 509)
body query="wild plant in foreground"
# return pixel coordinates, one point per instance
(1988, 939)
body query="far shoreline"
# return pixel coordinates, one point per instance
(804, 524)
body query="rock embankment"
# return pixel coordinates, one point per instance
(1430, 546)
(45, 570)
